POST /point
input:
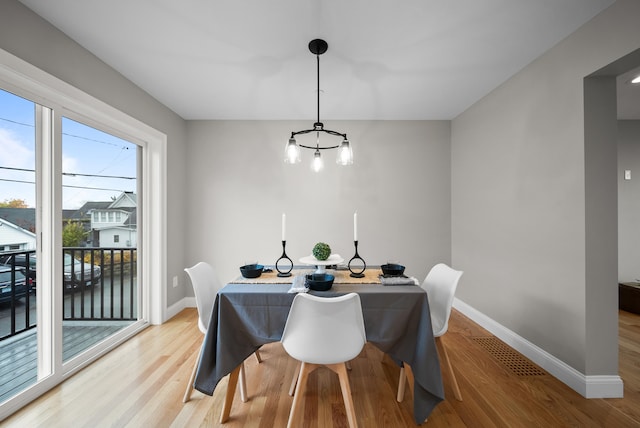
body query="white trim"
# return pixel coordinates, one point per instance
(587, 386)
(26, 78)
(154, 230)
(604, 387)
(185, 302)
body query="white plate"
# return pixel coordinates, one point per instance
(333, 259)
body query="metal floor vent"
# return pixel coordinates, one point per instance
(511, 359)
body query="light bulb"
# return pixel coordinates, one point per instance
(317, 164)
(345, 154)
(292, 152)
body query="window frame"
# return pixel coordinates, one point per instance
(56, 98)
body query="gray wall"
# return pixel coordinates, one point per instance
(29, 37)
(239, 186)
(523, 198)
(629, 201)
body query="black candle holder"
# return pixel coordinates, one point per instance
(356, 274)
(283, 273)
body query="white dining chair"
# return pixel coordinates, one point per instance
(324, 331)
(440, 284)
(205, 287)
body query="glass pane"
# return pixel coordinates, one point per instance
(100, 272)
(18, 344)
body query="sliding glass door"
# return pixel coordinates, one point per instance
(18, 268)
(69, 241)
(99, 235)
(82, 230)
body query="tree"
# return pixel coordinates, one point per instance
(13, 203)
(73, 234)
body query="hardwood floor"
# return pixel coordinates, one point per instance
(18, 355)
(141, 383)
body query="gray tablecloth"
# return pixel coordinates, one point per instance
(397, 320)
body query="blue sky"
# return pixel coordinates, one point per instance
(85, 150)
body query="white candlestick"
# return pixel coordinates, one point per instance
(355, 226)
(284, 226)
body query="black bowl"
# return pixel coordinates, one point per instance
(392, 269)
(251, 271)
(319, 281)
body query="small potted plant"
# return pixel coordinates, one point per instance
(321, 251)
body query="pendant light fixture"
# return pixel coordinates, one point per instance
(292, 150)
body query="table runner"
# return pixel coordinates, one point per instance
(371, 276)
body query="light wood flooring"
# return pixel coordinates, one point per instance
(140, 384)
(18, 354)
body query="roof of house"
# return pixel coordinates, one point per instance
(84, 211)
(26, 217)
(125, 200)
(21, 217)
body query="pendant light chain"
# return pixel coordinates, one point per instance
(318, 93)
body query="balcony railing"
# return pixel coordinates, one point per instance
(100, 284)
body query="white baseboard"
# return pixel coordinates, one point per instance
(587, 386)
(185, 302)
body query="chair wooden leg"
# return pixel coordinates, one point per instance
(231, 390)
(445, 357)
(408, 372)
(243, 384)
(294, 380)
(402, 382)
(305, 369)
(258, 357)
(341, 370)
(192, 378)
(348, 365)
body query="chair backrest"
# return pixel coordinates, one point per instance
(324, 330)
(440, 284)
(205, 286)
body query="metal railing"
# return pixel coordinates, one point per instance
(16, 317)
(100, 284)
(115, 298)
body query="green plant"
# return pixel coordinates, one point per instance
(321, 251)
(73, 234)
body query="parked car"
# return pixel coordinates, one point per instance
(26, 261)
(76, 273)
(8, 282)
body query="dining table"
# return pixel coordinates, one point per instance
(250, 312)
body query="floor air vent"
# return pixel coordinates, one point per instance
(509, 357)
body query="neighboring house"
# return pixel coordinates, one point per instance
(83, 216)
(115, 225)
(14, 238)
(24, 218)
(107, 223)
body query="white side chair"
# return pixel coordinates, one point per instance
(205, 286)
(440, 285)
(324, 331)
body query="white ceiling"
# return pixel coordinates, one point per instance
(387, 59)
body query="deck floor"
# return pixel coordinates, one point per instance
(18, 355)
